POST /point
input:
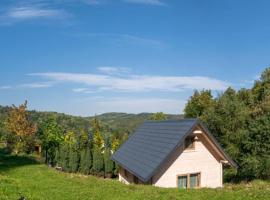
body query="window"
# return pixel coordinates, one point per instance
(194, 180)
(189, 143)
(135, 179)
(125, 173)
(182, 182)
(188, 181)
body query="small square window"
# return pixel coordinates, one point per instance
(190, 143)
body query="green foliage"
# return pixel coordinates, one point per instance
(98, 162)
(240, 120)
(51, 136)
(115, 144)
(97, 140)
(74, 159)
(198, 103)
(108, 164)
(158, 116)
(64, 157)
(86, 161)
(23, 130)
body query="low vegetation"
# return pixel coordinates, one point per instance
(23, 176)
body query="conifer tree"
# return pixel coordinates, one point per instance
(65, 157)
(108, 164)
(98, 162)
(97, 138)
(86, 161)
(74, 159)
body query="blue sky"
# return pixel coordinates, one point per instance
(86, 57)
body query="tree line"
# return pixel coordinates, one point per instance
(240, 120)
(86, 151)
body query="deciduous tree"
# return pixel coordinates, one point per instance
(18, 123)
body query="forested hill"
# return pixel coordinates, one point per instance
(122, 122)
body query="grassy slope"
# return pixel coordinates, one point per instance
(37, 181)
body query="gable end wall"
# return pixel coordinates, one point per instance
(202, 160)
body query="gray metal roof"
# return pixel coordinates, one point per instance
(151, 144)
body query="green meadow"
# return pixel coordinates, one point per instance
(24, 176)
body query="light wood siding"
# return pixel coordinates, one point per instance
(202, 159)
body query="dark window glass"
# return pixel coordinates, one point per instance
(135, 179)
(194, 180)
(189, 143)
(182, 182)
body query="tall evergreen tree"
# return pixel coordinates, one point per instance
(108, 164)
(98, 162)
(64, 155)
(86, 161)
(74, 159)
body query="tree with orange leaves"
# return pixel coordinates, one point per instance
(18, 124)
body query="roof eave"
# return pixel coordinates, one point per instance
(231, 162)
(132, 172)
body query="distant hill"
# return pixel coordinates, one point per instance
(121, 122)
(128, 122)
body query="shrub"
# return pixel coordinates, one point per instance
(98, 162)
(108, 164)
(86, 161)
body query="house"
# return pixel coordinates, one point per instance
(180, 153)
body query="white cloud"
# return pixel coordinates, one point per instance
(36, 85)
(147, 2)
(138, 83)
(30, 12)
(114, 70)
(124, 39)
(82, 90)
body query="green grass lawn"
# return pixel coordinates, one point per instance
(23, 175)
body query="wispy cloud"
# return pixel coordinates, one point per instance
(22, 13)
(114, 70)
(124, 39)
(137, 83)
(36, 85)
(30, 12)
(147, 2)
(82, 90)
